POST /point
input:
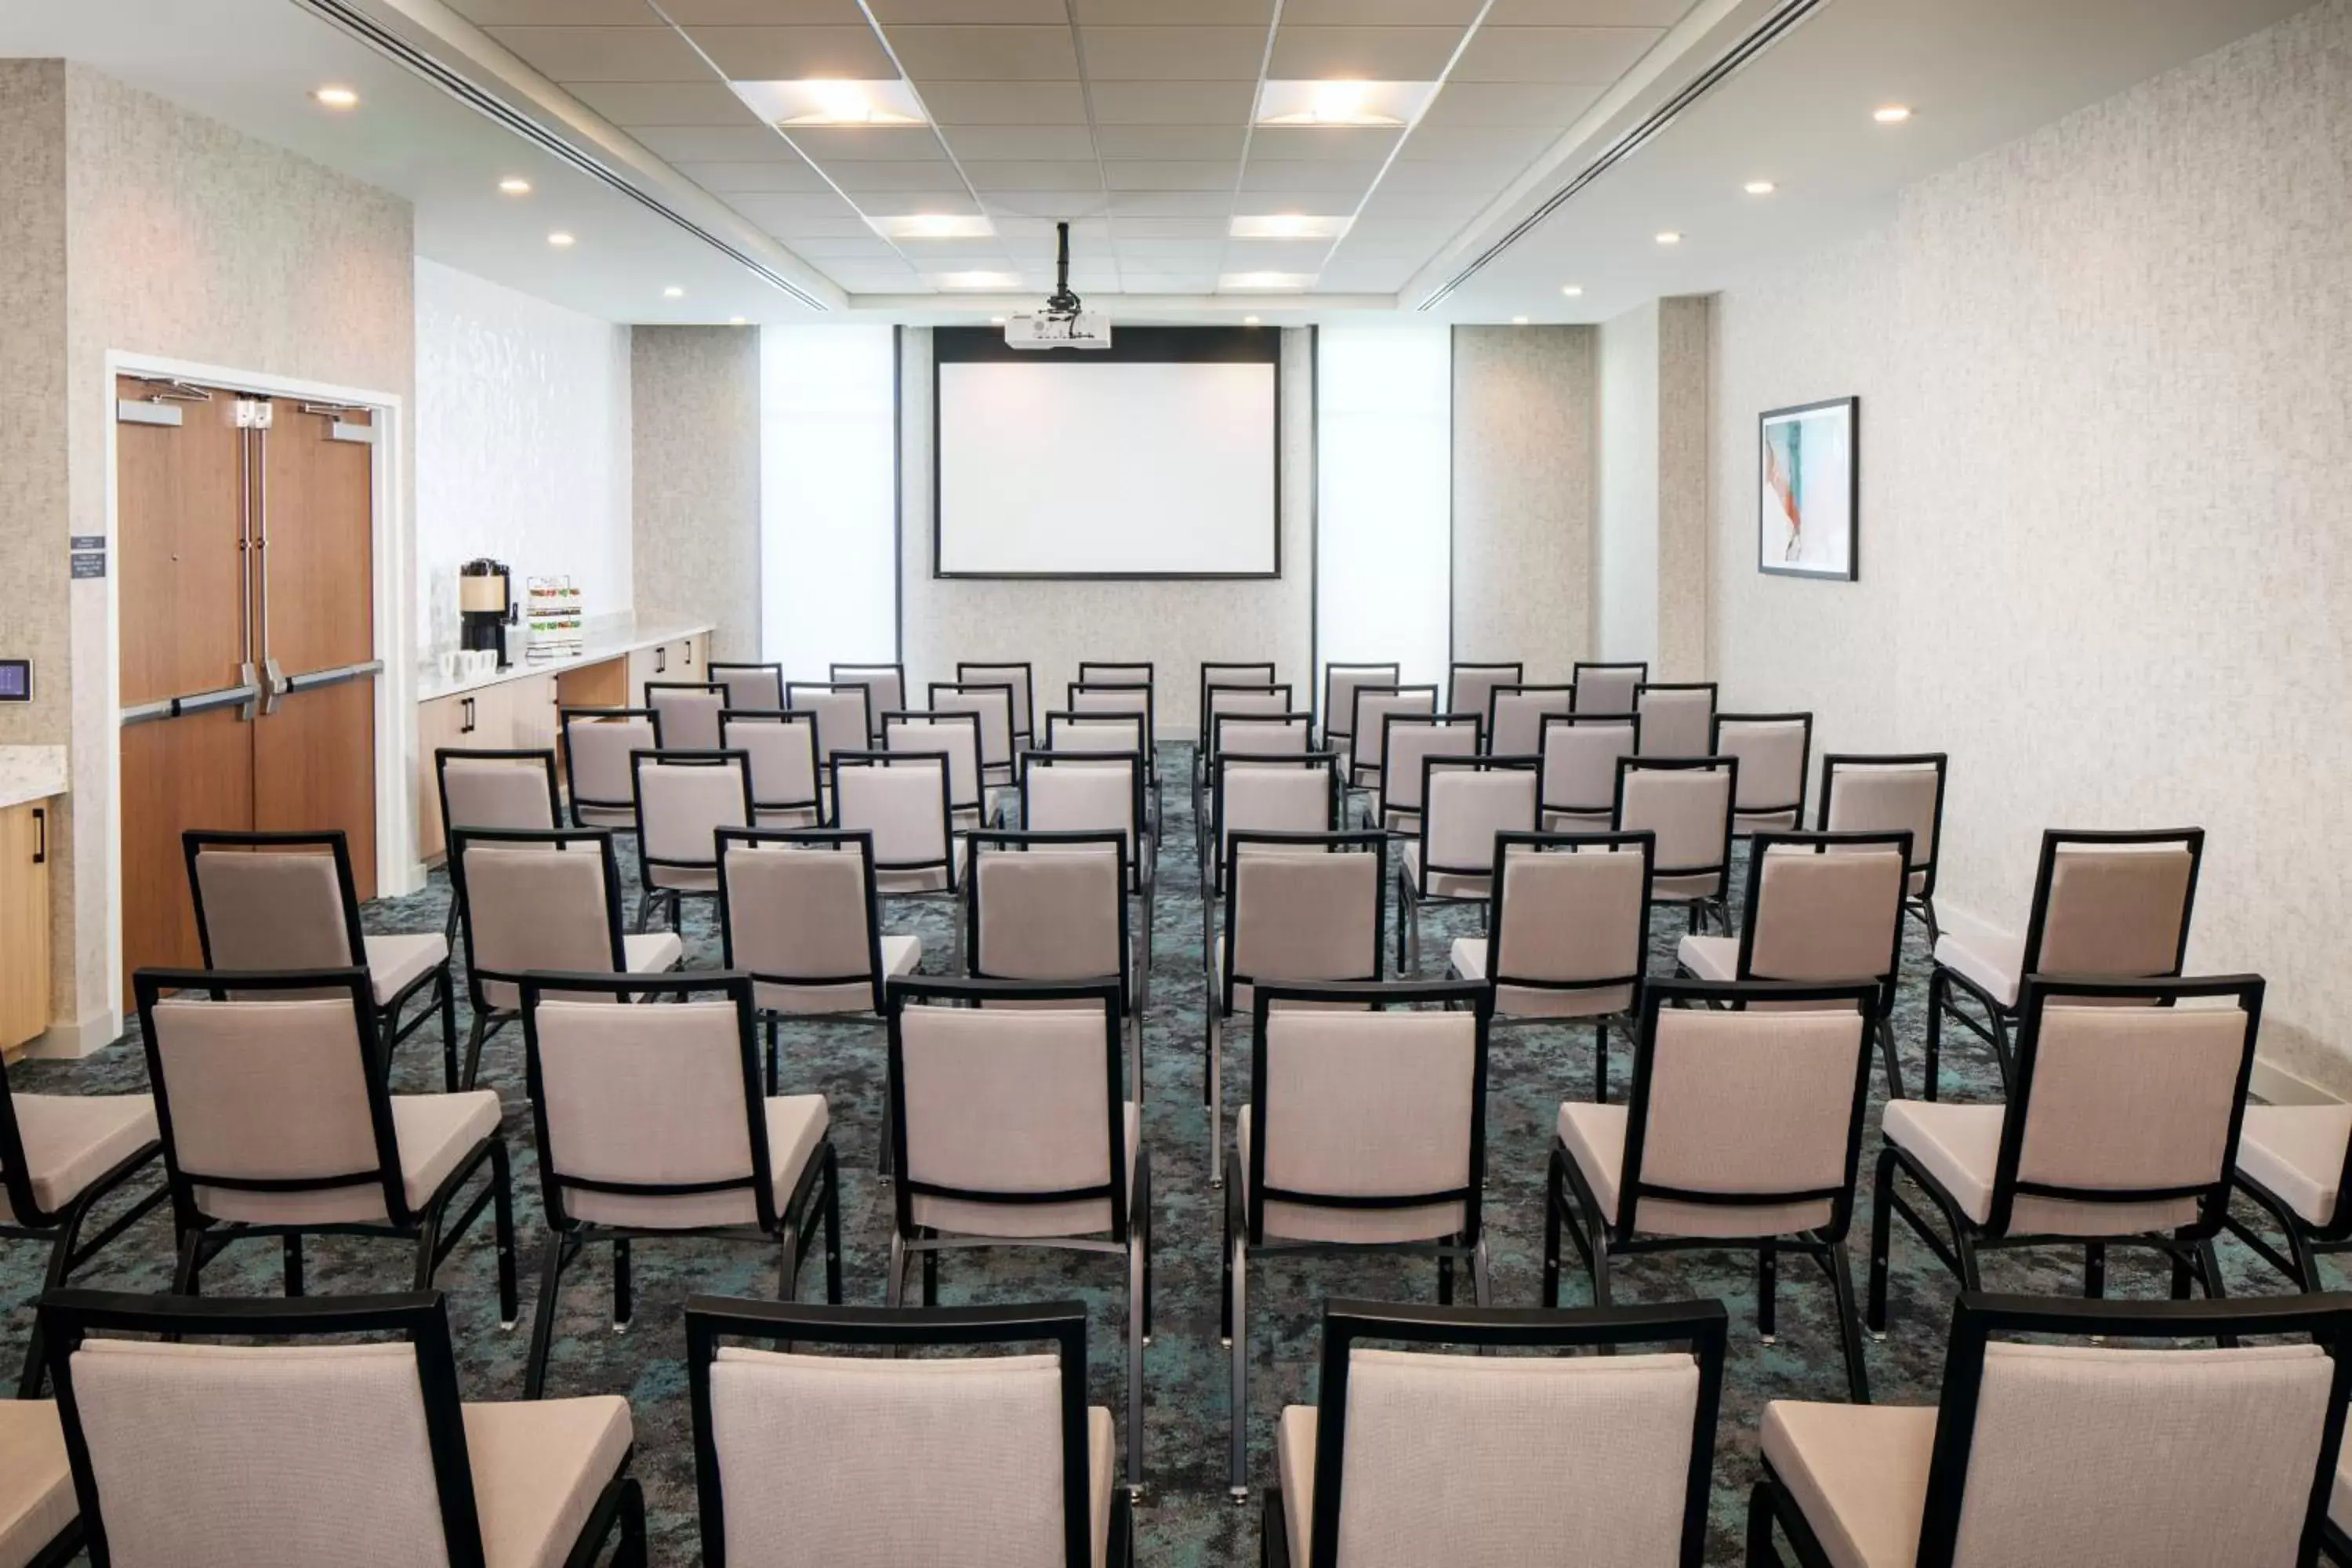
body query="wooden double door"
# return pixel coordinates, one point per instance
(244, 541)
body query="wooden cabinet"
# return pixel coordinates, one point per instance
(530, 714)
(481, 720)
(24, 841)
(680, 658)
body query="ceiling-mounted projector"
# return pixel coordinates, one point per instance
(1064, 323)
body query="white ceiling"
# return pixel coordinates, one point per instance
(1137, 131)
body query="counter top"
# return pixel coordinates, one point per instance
(28, 774)
(602, 637)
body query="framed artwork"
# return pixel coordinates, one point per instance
(1809, 489)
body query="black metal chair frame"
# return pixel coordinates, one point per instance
(1793, 810)
(2305, 1243)
(1364, 778)
(975, 808)
(1413, 890)
(673, 900)
(571, 779)
(839, 840)
(1709, 687)
(706, 687)
(783, 718)
(1205, 750)
(1389, 724)
(976, 672)
(1921, 905)
(994, 773)
(1391, 674)
(1700, 907)
(544, 755)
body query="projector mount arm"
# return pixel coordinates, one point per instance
(1061, 302)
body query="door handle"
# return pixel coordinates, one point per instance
(661, 660)
(40, 835)
(466, 724)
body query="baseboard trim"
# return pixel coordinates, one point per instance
(81, 1037)
(2275, 1085)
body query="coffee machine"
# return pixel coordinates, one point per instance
(485, 605)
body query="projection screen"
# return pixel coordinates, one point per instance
(1155, 459)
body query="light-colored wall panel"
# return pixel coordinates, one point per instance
(1686, 331)
(696, 476)
(1625, 525)
(1523, 495)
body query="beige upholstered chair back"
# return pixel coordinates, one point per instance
(1242, 702)
(258, 1457)
(1049, 912)
(1089, 797)
(1571, 916)
(2116, 911)
(1007, 1100)
(1273, 798)
(1467, 807)
(1360, 1104)
(600, 752)
(1410, 741)
(265, 1091)
(498, 792)
(269, 910)
(2128, 1097)
(1098, 733)
(985, 1435)
(801, 910)
(1264, 737)
(1373, 708)
(1107, 700)
(1771, 753)
(957, 735)
(995, 711)
(840, 712)
(689, 716)
(1688, 809)
(535, 907)
(781, 752)
(1676, 721)
(1826, 916)
(756, 686)
(2098, 1456)
(681, 806)
(647, 1093)
(900, 804)
(1305, 914)
(885, 685)
(1468, 687)
(1518, 729)
(1516, 1459)
(1885, 798)
(1016, 676)
(1579, 765)
(1742, 1103)
(1609, 691)
(1341, 711)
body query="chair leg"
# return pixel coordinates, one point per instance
(831, 1227)
(474, 1038)
(1237, 1472)
(1445, 1279)
(631, 1552)
(1601, 1062)
(428, 1242)
(788, 1256)
(1938, 998)
(772, 1033)
(623, 1294)
(931, 1272)
(293, 1250)
(1216, 1094)
(1857, 1371)
(449, 1028)
(1894, 1063)
(894, 1289)
(1768, 1281)
(1482, 1282)
(1881, 1214)
(1965, 1249)
(29, 1384)
(1761, 1552)
(1136, 1291)
(543, 1330)
(1553, 1198)
(185, 1277)
(2094, 1270)
(1600, 1267)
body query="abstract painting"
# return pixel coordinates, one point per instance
(1809, 498)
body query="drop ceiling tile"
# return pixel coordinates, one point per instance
(1015, 231)
(1393, 235)
(1587, 12)
(859, 279)
(763, 13)
(1173, 102)
(871, 247)
(901, 179)
(1293, 174)
(551, 13)
(1064, 175)
(1275, 255)
(1006, 102)
(1174, 141)
(1456, 205)
(1052, 206)
(1167, 282)
(1342, 145)
(606, 54)
(1040, 142)
(1365, 275)
(1368, 54)
(797, 229)
(1165, 252)
(986, 54)
(1256, 14)
(1170, 203)
(1513, 144)
(715, 145)
(778, 211)
(729, 179)
(1174, 54)
(1551, 104)
(627, 103)
(1136, 174)
(1408, 177)
(795, 53)
(830, 144)
(1454, 14)
(1581, 54)
(1200, 230)
(1313, 203)
(891, 13)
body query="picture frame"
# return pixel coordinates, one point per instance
(1808, 491)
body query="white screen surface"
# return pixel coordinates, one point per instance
(1063, 467)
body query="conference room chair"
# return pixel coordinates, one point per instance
(843, 723)
(1580, 753)
(1260, 793)
(540, 900)
(1363, 1131)
(956, 734)
(1428, 1455)
(1051, 906)
(1100, 792)
(689, 711)
(2292, 1163)
(1820, 907)
(61, 1155)
(902, 799)
(597, 777)
(1367, 729)
(2120, 1129)
(2113, 905)
(1406, 741)
(341, 1439)
(1010, 1127)
(2054, 1452)
(684, 798)
(484, 787)
(1115, 672)
(1230, 699)
(779, 753)
(1879, 793)
(1775, 752)
(1098, 697)
(1339, 684)
(1298, 908)
(1743, 1130)
(931, 1445)
(1227, 672)
(1069, 729)
(651, 1126)
(800, 912)
(277, 1122)
(1568, 934)
(1677, 718)
(1449, 854)
(1016, 679)
(992, 705)
(886, 690)
(750, 686)
(40, 1520)
(1263, 734)
(1686, 802)
(1514, 717)
(1470, 688)
(1605, 687)
(289, 901)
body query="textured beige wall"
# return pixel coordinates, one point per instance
(1176, 624)
(2106, 448)
(1686, 348)
(1523, 495)
(34, 621)
(1625, 522)
(694, 396)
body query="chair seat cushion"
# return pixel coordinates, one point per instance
(683, 878)
(653, 952)
(1997, 976)
(1102, 1442)
(539, 1467)
(1313, 1222)
(2296, 1153)
(36, 1489)
(71, 1140)
(785, 815)
(1683, 889)
(1084, 1216)
(1469, 956)
(1442, 884)
(1595, 1138)
(1294, 1453)
(1577, 821)
(900, 956)
(1709, 957)
(1959, 1145)
(1858, 1473)
(396, 962)
(435, 1134)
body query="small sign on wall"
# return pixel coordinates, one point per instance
(87, 556)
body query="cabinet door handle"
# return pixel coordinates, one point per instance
(40, 835)
(661, 661)
(465, 723)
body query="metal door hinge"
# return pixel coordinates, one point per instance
(253, 414)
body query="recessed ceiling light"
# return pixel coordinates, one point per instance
(1518, 320)
(1249, 321)
(515, 185)
(975, 279)
(734, 320)
(1261, 282)
(1290, 225)
(1356, 103)
(673, 292)
(1891, 114)
(559, 239)
(337, 97)
(828, 102)
(932, 225)
(1574, 290)
(1670, 237)
(1760, 187)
